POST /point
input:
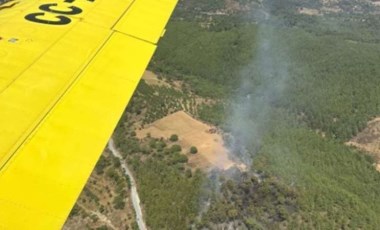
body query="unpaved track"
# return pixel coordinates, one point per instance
(134, 195)
(101, 217)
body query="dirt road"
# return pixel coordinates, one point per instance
(134, 195)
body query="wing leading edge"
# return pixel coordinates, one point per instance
(63, 88)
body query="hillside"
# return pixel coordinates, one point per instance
(286, 84)
(295, 88)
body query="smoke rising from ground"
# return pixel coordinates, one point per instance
(263, 82)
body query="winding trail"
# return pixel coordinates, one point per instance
(134, 195)
(101, 217)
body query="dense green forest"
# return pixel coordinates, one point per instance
(308, 84)
(333, 81)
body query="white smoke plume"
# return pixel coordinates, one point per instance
(263, 83)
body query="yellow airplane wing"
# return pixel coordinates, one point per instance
(67, 70)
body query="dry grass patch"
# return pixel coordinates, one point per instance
(369, 140)
(191, 132)
(152, 79)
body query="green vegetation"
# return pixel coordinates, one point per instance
(119, 201)
(313, 84)
(254, 203)
(193, 150)
(173, 138)
(175, 148)
(101, 165)
(164, 188)
(155, 102)
(306, 83)
(165, 184)
(214, 113)
(207, 60)
(106, 193)
(338, 186)
(331, 81)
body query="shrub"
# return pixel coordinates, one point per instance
(173, 138)
(193, 150)
(176, 148)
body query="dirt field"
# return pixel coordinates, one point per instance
(152, 79)
(191, 132)
(369, 140)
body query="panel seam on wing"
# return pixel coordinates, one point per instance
(34, 129)
(36, 60)
(135, 37)
(122, 15)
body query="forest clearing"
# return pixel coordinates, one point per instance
(369, 140)
(191, 132)
(152, 79)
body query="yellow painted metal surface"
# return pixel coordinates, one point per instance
(134, 22)
(68, 69)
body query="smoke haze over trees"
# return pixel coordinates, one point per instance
(294, 87)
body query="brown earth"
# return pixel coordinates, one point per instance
(369, 140)
(191, 132)
(95, 204)
(152, 79)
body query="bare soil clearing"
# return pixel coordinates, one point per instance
(369, 140)
(191, 132)
(152, 79)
